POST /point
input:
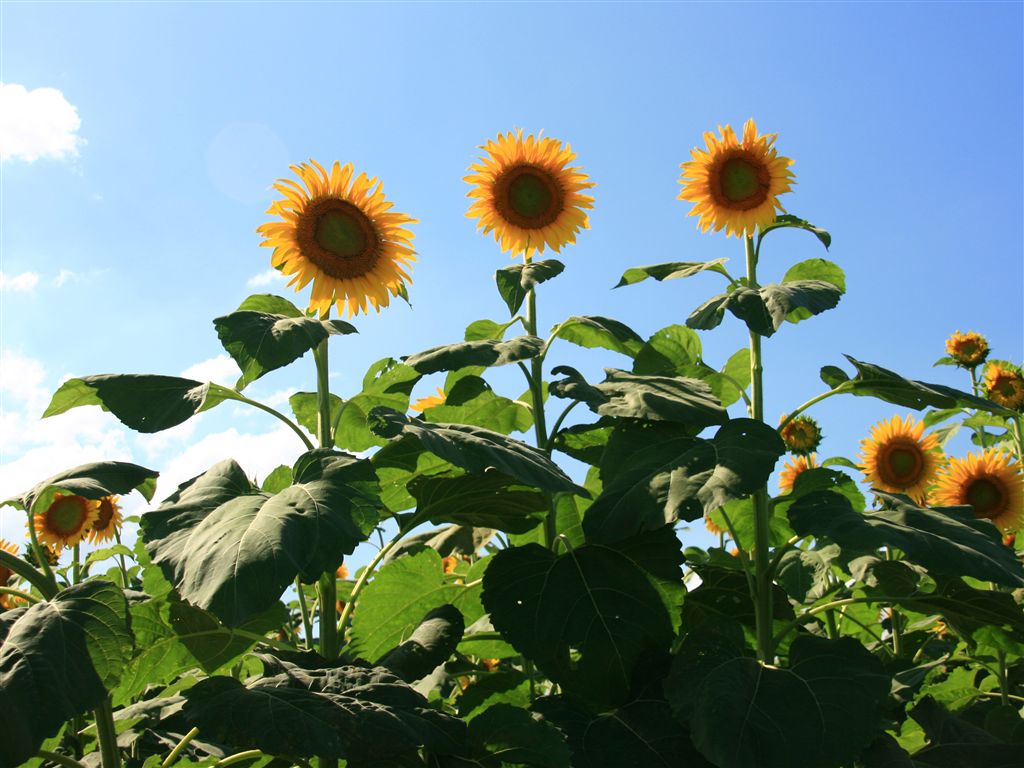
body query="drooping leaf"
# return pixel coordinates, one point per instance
(787, 220)
(587, 616)
(603, 332)
(447, 540)
(673, 351)
(946, 542)
(584, 442)
(485, 352)
(400, 463)
(670, 271)
(804, 574)
(514, 281)
(93, 481)
(231, 549)
(764, 310)
(492, 500)
(487, 329)
(58, 660)
(474, 449)
(430, 644)
(813, 269)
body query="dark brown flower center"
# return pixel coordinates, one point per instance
(66, 514)
(986, 496)
(902, 465)
(528, 197)
(740, 182)
(105, 516)
(338, 238)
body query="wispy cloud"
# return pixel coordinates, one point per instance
(220, 369)
(22, 283)
(269, 277)
(37, 123)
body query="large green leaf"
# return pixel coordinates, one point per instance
(261, 340)
(485, 352)
(518, 737)
(765, 310)
(788, 220)
(813, 269)
(673, 351)
(472, 401)
(492, 500)
(387, 383)
(144, 403)
(725, 592)
(431, 643)
(93, 481)
(304, 407)
(821, 710)
(57, 660)
(514, 281)
(401, 462)
(603, 332)
(585, 442)
(588, 616)
(670, 271)
(956, 743)
(475, 449)
(947, 542)
(231, 549)
(654, 398)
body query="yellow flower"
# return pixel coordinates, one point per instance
(898, 458)
(66, 521)
(802, 435)
(339, 231)
(108, 522)
(991, 483)
(5, 573)
(428, 402)
(526, 193)
(968, 349)
(712, 526)
(790, 470)
(735, 184)
(341, 572)
(1004, 384)
(449, 564)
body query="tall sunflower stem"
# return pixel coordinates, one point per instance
(762, 557)
(120, 560)
(76, 564)
(40, 554)
(307, 625)
(47, 587)
(179, 748)
(536, 379)
(1004, 681)
(895, 619)
(107, 734)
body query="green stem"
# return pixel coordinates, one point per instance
(536, 379)
(895, 619)
(779, 554)
(107, 735)
(323, 397)
(40, 554)
(1009, 697)
(241, 757)
(47, 587)
(762, 576)
(811, 612)
(830, 625)
(558, 424)
(307, 626)
(328, 585)
(1004, 681)
(277, 415)
(179, 748)
(59, 759)
(76, 564)
(28, 596)
(744, 560)
(803, 407)
(120, 560)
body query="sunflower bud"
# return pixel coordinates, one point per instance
(968, 349)
(802, 435)
(1004, 384)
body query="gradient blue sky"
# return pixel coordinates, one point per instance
(905, 121)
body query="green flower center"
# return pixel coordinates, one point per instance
(986, 497)
(66, 515)
(904, 463)
(529, 195)
(739, 180)
(341, 233)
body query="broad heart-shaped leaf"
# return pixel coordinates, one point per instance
(516, 736)
(474, 449)
(821, 710)
(433, 641)
(514, 281)
(813, 269)
(93, 481)
(261, 341)
(764, 310)
(304, 408)
(654, 398)
(486, 352)
(874, 381)
(603, 332)
(588, 616)
(945, 541)
(956, 743)
(144, 403)
(492, 500)
(472, 401)
(231, 549)
(785, 220)
(967, 609)
(386, 383)
(670, 271)
(58, 660)
(366, 716)
(402, 461)
(657, 473)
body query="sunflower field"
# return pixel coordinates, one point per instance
(532, 600)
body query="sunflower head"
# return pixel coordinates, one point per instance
(712, 526)
(734, 184)
(66, 521)
(6, 573)
(108, 521)
(899, 458)
(1004, 384)
(341, 572)
(791, 469)
(991, 483)
(526, 193)
(338, 231)
(429, 402)
(969, 350)
(802, 435)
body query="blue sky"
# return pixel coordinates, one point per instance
(134, 223)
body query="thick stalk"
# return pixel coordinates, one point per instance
(37, 549)
(179, 748)
(277, 414)
(76, 564)
(539, 424)
(120, 560)
(241, 757)
(107, 735)
(762, 557)
(59, 759)
(46, 587)
(307, 626)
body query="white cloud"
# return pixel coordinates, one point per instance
(64, 276)
(37, 123)
(220, 369)
(22, 283)
(269, 277)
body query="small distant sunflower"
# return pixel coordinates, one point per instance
(449, 564)
(1004, 384)
(712, 526)
(991, 483)
(339, 231)
(735, 184)
(66, 521)
(968, 349)
(429, 402)
(526, 193)
(341, 572)
(802, 435)
(791, 469)
(899, 458)
(108, 522)
(6, 573)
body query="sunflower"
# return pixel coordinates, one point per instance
(6, 573)
(898, 458)
(969, 349)
(712, 526)
(429, 402)
(802, 435)
(108, 522)
(341, 572)
(66, 521)
(991, 483)
(339, 232)
(1004, 384)
(735, 184)
(790, 470)
(527, 195)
